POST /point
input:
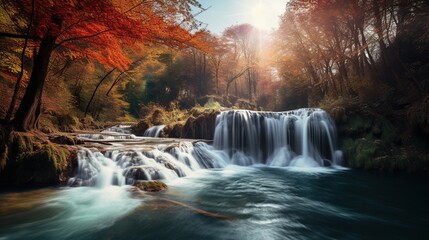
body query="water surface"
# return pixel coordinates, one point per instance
(258, 202)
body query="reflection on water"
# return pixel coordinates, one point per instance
(260, 202)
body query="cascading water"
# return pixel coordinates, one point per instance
(301, 138)
(154, 131)
(234, 202)
(125, 166)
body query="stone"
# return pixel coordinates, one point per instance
(66, 140)
(150, 186)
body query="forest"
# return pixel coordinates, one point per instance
(73, 62)
(134, 119)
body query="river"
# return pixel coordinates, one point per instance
(259, 203)
(266, 176)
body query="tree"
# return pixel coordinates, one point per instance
(244, 37)
(351, 48)
(92, 29)
(216, 58)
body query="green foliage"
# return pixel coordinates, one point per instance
(164, 88)
(134, 95)
(360, 153)
(212, 104)
(155, 114)
(418, 115)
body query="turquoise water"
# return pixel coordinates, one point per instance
(257, 202)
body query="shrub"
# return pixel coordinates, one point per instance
(418, 115)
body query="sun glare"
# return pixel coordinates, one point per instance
(265, 14)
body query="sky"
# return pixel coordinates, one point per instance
(263, 14)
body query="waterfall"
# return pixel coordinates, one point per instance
(124, 166)
(301, 138)
(154, 131)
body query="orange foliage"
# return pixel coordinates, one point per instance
(103, 30)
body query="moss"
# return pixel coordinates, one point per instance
(359, 153)
(33, 164)
(46, 124)
(201, 126)
(67, 140)
(158, 117)
(42, 166)
(21, 143)
(150, 186)
(67, 122)
(30, 159)
(388, 132)
(212, 104)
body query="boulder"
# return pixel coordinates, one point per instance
(66, 140)
(150, 186)
(202, 126)
(140, 128)
(32, 161)
(133, 174)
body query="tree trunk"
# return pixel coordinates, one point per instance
(21, 72)
(249, 82)
(95, 90)
(28, 111)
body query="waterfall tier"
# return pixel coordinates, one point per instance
(304, 137)
(154, 131)
(125, 166)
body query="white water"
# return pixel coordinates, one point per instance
(301, 139)
(124, 166)
(112, 133)
(119, 129)
(154, 131)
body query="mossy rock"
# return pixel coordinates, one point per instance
(47, 124)
(33, 161)
(43, 166)
(66, 140)
(202, 126)
(140, 128)
(150, 186)
(174, 131)
(67, 123)
(158, 117)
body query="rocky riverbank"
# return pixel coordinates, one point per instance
(380, 142)
(36, 159)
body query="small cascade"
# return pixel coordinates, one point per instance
(154, 131)
(112, 133)
(161, 162)
(300, 138)
(126, 129)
